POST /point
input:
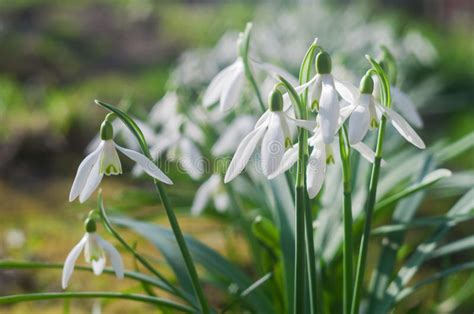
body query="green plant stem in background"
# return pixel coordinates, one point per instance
(93, 295)
(310, 255)
(347, 218)
(361, 263)
(183, 247)
(133, 127)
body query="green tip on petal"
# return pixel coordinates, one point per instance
(366, 84)
(275, 100)
(323, 63)
(106, 130)
(315, 105)
(288, 143)
(90, 225)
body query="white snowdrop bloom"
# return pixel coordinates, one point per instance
(96, 250)
(105, 160)
(233, 134)
(273, 131)
(367, 115)
(226, 87)
(324, 91)
(321, 155)
(165, 109)
(212, 189)
(401, 102)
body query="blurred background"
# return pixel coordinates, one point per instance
(56, 57)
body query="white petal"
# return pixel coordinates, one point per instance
(148, 166)
(83, 172)
(71, 261)
(315, 92)
(232, 135)
(316, 169)
(263, 120)
(93, 181)
(109, 160)
(92, 146)
(359, 120)
(164, 108)
(347, 91)
(244, 152)
(309, 125)
(366, 152)
(404, 128)
(203, 195)
(214, 91)
(287, 161)
(114, 255)
(407, 108)
(328, 110)
(221, 202)
(98, 266)
(273, 145)
(233, 90)
(191, 159)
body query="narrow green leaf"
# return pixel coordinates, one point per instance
(453, 247)
(265, 231)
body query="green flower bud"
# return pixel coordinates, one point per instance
(366, 85)
(323, 63)
(106, 130)
(275, 100)
(90, 225)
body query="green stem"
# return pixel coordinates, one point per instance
(361, 263)
(347, 218)
(310, 255)
(299, 288)
(87, 295)
(183, 247)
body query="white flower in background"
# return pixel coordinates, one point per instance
(226, 87)
(273, 131)
(178, 139)
(165, 109)
(321, 155)
(105, 160)
(96, 250)
(367, 115)
(120, 130)
(15, 238)
(212, 189)
(233, 135)
(324, 91)
(401, 102)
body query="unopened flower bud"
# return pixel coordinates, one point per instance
(323, 63)
(366, 85)
(275, 100)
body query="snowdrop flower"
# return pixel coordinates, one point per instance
(321, 155)
(96, 250)
(273, 131)
(401, 102)
(104, 160)
(367, 115)
(324, 96)
(233, 134)
(165, 109)
(211, 189)
(226, 87)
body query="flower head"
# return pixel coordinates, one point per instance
(213, 190)
(104, 160)
(96, 250)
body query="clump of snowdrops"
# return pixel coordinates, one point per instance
(300, 166)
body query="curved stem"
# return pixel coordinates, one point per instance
(87, 295)
(368, 218)
(347, 218)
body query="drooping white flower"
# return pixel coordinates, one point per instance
(96, 250)
(321, 155)
(324, 92)
(105, 160)
(367, 115)
(273, 131)
(212, 189)
(401, 102)
(165, 109)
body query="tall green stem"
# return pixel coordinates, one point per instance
(347, 218)
(310, 255)
(183, 248)
(361, 263)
